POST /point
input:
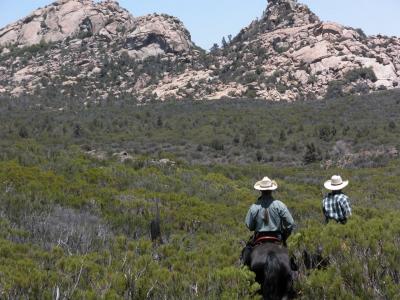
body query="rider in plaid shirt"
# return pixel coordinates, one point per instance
(336, 205)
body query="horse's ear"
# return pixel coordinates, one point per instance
(293, 264)
(155, 228)
(307, 260)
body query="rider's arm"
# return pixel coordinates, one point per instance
(250, 219)
(286, 217)
(345, 205)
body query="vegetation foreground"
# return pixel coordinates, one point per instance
(75, 219)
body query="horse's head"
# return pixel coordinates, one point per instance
(315, 260)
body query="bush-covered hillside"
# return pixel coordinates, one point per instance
(352, 131)
(75, 219)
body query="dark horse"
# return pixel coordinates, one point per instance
(273, 270)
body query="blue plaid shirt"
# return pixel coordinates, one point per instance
(336, 205)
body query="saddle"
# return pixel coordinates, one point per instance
(266, 239)
(257, 240)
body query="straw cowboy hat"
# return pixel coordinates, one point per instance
(266, 184)
(335, 183)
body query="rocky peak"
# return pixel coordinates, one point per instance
(157, 34)
(288, 13)
(141, 37)
(61, 2)
(66, 19)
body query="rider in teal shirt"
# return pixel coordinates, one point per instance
(267, 217)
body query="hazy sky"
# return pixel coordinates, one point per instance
(210, 20)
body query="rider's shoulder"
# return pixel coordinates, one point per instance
(278, 205)
(343, 196)
(254, 208)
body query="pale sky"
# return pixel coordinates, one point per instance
(209, 20)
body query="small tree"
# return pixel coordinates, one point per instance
(217, 144)
(214, 48)
(335, 89)
(312, 154)
(282, 136)
(326, 132)
(23, 132)
(77, 131)
(159, 121)
(224, 43)
(259, 155)
(392, 125)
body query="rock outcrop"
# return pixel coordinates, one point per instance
(67, 19)
(290, 54)
(156, 35)
(97, 50)
(287, 13)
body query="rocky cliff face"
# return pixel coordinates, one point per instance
(91, 51)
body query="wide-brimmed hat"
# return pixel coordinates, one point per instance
(266, 184)
(335, 183)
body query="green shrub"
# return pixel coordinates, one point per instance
(361, 73)
(335, 89)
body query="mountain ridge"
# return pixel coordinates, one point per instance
(101, 51)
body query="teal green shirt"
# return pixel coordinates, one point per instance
(280, 218)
